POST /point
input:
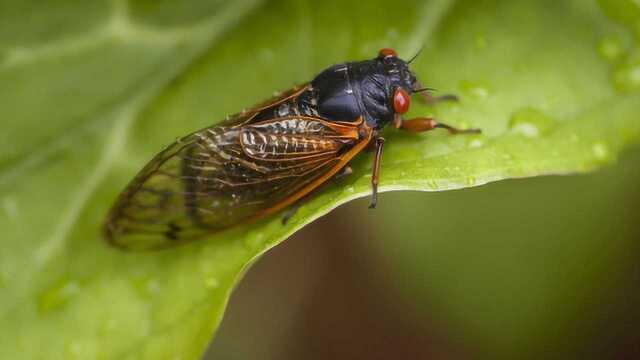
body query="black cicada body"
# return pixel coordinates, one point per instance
(268, 158)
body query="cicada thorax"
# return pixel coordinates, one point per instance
(301, 102)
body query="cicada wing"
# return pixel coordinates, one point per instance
(221, 176)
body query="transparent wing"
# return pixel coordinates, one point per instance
(221, 176)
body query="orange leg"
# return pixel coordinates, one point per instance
(412, 125)
(377, 160)
(422, 124)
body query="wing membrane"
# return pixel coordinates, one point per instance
(221, 176)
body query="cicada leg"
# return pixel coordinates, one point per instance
(412, 125)
(422, 124)
(375, 177)
(290, 211)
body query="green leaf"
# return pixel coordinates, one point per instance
(89, 92)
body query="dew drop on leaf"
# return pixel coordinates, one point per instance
(211, 282)
(470, 181)
(474, 141)
(530, 122)
(601, 151)
(610, 48)
(207, 269)
(626, 76)
(475, 90)
(255, 240)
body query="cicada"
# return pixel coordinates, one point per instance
(269, 158)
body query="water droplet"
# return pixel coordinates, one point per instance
(57, 296)
(256, 241)
(610, 48)
(600, 151)
(208, 269)
(475, 141)
(474, 89)
(626, 76)
(463, 125)
(470, 181)
(530, 122)
(211, 282)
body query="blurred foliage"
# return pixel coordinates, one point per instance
(89, 91)
(545, 267)
(524, 269)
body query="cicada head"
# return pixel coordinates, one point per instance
(387, 87)
(376, 89)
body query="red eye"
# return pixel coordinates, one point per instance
(387, 52)
(401, 101)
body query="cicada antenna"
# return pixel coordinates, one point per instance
(424, 89)
(416, 55)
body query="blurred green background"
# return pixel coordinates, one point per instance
(543, 267)
(535, 268)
